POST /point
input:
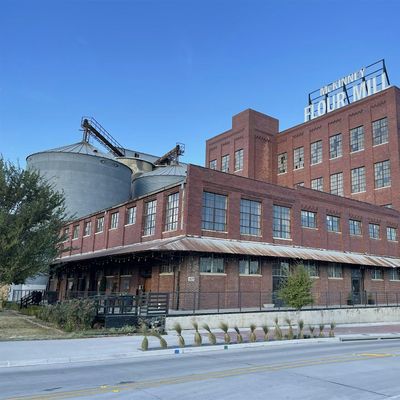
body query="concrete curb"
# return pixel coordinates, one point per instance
(360, 337)
(164, 352)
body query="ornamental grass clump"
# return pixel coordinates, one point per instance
(300, 331)
(253, 336)
(311, 328)
(290, 334)
(145, 341)
(239, 337)
(332, 329)
(178, 329)
(211, 337)
(197, 336)
(321, 330)
(163, 342)
(266, 331)
(278, 330)
(224, 327)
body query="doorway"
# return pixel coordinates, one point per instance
(357, 285)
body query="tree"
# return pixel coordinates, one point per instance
(296, 291)
(32, 214)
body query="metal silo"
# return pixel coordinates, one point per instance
(90, 180)
(159, 178)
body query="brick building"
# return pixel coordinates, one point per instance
(268, 199)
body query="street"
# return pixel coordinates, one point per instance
(349, 370)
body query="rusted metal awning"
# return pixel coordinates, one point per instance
(239, 247)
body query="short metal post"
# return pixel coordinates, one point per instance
(218, 302)
(240, 301)
(260, 300)
(194, 302)
(387, 299)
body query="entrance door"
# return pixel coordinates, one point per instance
(356, 286)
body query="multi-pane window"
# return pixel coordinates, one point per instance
(380, 132)
(281, 223)
(130, 215)
(172, 212)
(282, 163)
(332, 223)
(250, 217)
(308, 219)
(65, 234)
(357, 139)
(114, 220)
(376, 273)
(225, 163)
(213, 164)
(391, 233)
(337, 184)
(318, 184)
(358, 180)
(75, 232)
(298, 158)
(355, 227)
(214, 212)
(312, 268)
(249, 266)
(214, 265)
(382, 174)
(99, 224)
(335, 146)
(167, 269)
(373, 231)
(394, 274)
(239, 160)
(316, 152)
(149, 220)
(87, 230)
(335, 270)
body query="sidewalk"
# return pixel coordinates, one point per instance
(42, 352)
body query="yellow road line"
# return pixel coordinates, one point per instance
(202, 377)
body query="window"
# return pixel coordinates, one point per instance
(373, 231)
(249, 266)
(298, 158)
(87, 231)
(318, 184)
(394, 274)
(280, 269)
(212, 265)
(382, 174)
(308, 219)
(380, 132)
(225, 163)
(213, 164)
(167, 269)
(332, 223)
(172, 212)
(337, 184)
(282, 163)
(391, 234)
(281, 224)
(65, 235)
(214, 212)
(75, 232)
(239, 160)
(335, 146)
(312, 268)
(250, 217)
(335, 270)
(355, 227)
(357, 139)
(125, 283)
(358, 180)
(131, 215)
(376, 273)
(99, 224)
(316, 152)
(114, 220)
(149, 223)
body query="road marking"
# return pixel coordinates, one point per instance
(202, 377)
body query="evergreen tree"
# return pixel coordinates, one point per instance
(32, 214)
(296, 291)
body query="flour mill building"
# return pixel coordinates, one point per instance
(324, 193)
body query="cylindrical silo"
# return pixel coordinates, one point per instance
(90, 180)
(149, 182)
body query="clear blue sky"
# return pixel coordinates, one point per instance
(159, 72)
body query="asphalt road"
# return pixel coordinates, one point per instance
(352, 370)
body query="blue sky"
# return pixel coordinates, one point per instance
(159, 72)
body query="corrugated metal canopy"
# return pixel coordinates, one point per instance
(225, 246)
